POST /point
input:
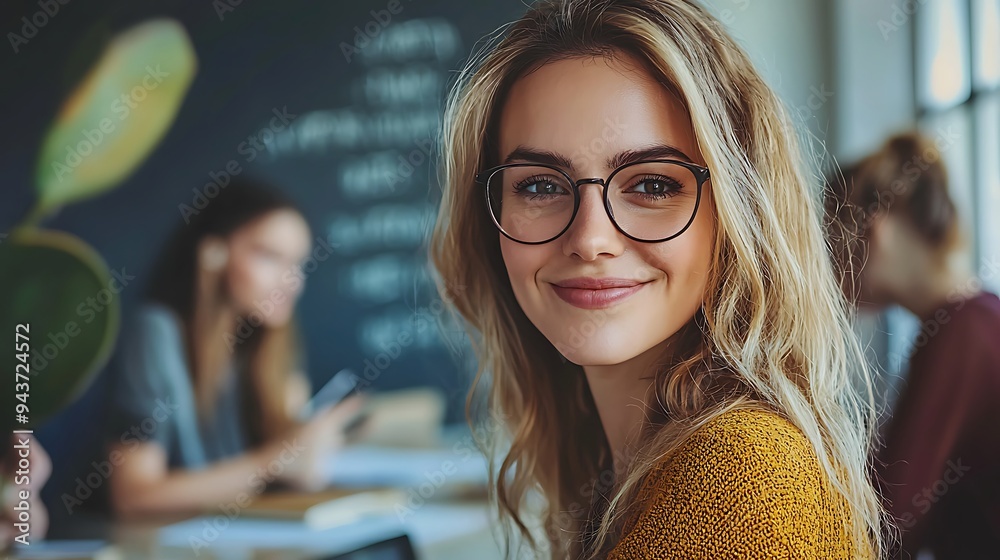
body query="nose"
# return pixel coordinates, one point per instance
(592, 233)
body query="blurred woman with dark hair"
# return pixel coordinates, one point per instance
(211, 376)
(896, 233)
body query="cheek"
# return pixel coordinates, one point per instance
(249, 282)
(522, 262)
(685, 264)
(687, 260)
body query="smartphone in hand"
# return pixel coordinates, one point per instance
(343, 384)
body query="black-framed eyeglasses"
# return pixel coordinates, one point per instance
(648, 201)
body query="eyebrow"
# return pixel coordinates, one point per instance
(657, 151)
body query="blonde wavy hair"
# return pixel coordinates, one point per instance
(775, 329)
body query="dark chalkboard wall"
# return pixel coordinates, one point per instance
(336, 102)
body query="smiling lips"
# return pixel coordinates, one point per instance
(596, 293)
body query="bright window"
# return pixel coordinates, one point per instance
(957, 73)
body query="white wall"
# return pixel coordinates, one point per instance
(874, 69)
(789, 43)
(844, 68)
(874, 75)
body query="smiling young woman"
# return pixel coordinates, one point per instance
(648, 288)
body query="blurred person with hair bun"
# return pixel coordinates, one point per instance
(896, 234)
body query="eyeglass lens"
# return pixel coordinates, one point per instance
(648, 200)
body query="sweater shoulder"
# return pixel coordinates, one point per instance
(749, 482)
(749, 438)
(753, 451)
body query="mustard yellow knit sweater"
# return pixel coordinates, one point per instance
(747, 485)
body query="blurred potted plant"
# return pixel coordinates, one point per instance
(106, 128)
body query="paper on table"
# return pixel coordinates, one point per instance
(277, 534)
(426, 525)
(373, 466)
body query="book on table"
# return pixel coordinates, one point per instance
(327, 508)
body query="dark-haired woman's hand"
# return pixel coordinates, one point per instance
(307, 449)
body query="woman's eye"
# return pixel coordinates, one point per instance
(541, 187)
(655, 186)
(652, 186)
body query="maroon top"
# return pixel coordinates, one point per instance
(940, 467)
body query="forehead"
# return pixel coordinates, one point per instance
(283, 230)
(588, 109)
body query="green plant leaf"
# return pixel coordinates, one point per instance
(117, 114)
(61, 288)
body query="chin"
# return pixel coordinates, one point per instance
(278, 319)
(600, 355)
(590, 359)
(594, 349)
